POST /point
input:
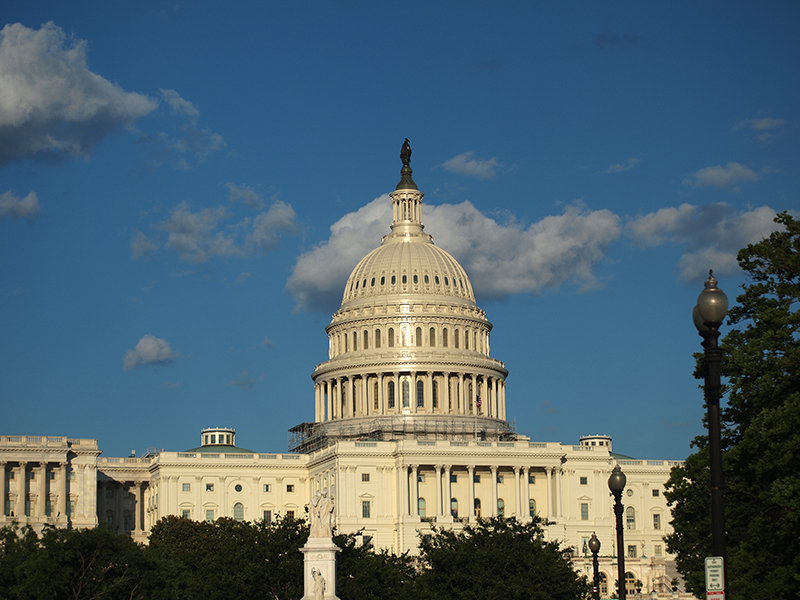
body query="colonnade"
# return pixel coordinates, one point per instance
(409, 335)
(34, 488)
(410, 392)
(115, 498)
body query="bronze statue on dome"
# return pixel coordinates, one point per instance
(405, 153)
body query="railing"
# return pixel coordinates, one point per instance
(366, 444)
(424, 443)
(459, 443)
(537, 445)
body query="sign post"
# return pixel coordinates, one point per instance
(715, 578)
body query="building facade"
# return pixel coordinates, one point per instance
(409, 432)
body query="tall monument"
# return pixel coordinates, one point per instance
(319, 551)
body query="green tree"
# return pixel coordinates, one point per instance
(761, 436)
(362, 573)
(497, 558)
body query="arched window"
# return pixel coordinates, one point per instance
(444, 337)
(603, 585)
(420, 394)
(630, 518)
(455, 339)
(432, 337)
(475, 341)
(366, 339)
(405, 279)
(532, 507)
(435, 392)
(391, 394)
(345, 342)
(391, 337)
(630, 583)
(466, 340)
(501, 508)
(355, 341)
(454, 508)
(416, 278)
(477, 508)
(238, 511)
(375, 395)
(406, 394)
(421, 507)
(418, 335)
(377, 338)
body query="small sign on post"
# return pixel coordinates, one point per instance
(715, 578)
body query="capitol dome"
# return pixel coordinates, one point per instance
(408, 350)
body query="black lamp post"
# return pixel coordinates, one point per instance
(711, 308)
(594, 546)
(616, 483)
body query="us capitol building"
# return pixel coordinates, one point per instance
(409, 431)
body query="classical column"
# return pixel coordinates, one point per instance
(494, 490)
(449, 489)
(517, 492)
(404, 505)
(338, 407)
(351, 396)
(118, 520)
(502, 413)
(398, 394)
(41, 505)
(495, 398)
(365, 396)
(429, 393)
(526, 496)
(22, 490)
(445, 408)
(381, 404)
(414, 491)
(558, 492)
(62, 491)
(326, 392)
(549, 471)
(3, 490)
(462, 409)
(471, 487)
(486, 402)
(412, 393)
(318, 411)
(438, 469)
(137, 505)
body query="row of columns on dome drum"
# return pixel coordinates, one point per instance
(407, 336)
(447, 504)
(413, 392)
(35, 494)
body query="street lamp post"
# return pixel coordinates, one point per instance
(711, 308)
(616, 483)
(594, 546)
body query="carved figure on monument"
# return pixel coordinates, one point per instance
(322, 515)
(405, 152)
(319, 585)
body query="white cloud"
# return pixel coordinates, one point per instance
(722, 177)
(762, 125)
(245, 195)
(467, 164)
(712, 234)
(625, 165)
(52, 106)
(199, 236)
(12, 207)
(149, 350)
(500, 258)
(178, 104)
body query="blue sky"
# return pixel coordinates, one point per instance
(184, 189)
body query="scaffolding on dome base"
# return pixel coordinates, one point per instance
(306, 438)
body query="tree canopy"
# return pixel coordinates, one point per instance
(761, 435)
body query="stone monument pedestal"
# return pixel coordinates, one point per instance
(319, 569)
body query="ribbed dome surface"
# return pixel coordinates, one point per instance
(408, 266)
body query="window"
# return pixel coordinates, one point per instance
(466, 340)
(109, 493)
(416, 279)
(267, 487)
(238, 511)
(391, 334)
(377, 338)
(476, 479)
(290, 514)
(455, 338)
(289, 488)
(110, 517)
(421, 507)
(657, 521)
(630, 518)
(209, 516)
(10, 475)
(499, 479)
(375, 395)
(406, 393)
(418, 336)
(213, 438)
(444, 337)
(531, 478)
(366, 337)
(391, 394)
(655, 493)
(435, 392)
(532, 507)
(584, 480)
(394, 279)
(186, 514)
(268, 517)
(8, 508)
(584, 511)
(405, 279)
(70, 475)
(48, 508)
(657, 550)
(71, 508)
(420, 394)
(427, 279)
(477, 508)
(603, 585)
(383, 279)
(31, 476)
(453, 478)
(355, 341)
(501, 508)
(632, 551)
(432, 337)
(365, 477)
(51, 475)
(365, 509)
(126, 523)
(421, 477)
(454, 508)
(238, 487)
(630, 583)
(186, 487)
(209, 487)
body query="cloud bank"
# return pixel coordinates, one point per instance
(149, 350)
(52, 106)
